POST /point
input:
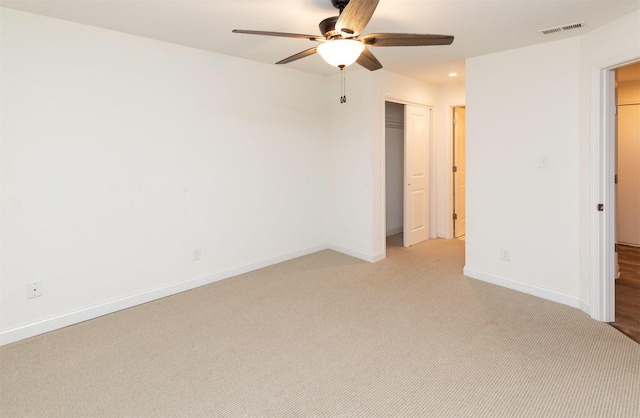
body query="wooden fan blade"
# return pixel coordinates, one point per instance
(280, 34)
(297, 56)
(355, 16)
(405, 39)
(368, 60)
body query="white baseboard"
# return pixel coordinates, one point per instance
(90, 312)
(394, 230)
(372, 258)
(584, 307)
(379, 256)
(540, 292)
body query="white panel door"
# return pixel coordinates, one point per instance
(460, 173)
(416, 197)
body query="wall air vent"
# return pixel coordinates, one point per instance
(562, 28)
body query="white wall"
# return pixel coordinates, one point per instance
(523, 104)
(350, 153)
(120, 154)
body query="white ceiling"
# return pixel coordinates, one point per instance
(479, 26)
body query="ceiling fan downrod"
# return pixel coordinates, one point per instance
(340, 4)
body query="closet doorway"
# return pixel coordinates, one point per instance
(407, 142)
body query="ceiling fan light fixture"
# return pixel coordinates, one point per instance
(340, 52)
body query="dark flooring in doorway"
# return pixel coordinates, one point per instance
(628, 292)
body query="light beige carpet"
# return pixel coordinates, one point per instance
(328, 335)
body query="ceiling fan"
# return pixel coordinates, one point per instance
(341, 44)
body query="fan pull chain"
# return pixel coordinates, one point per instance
(343, 85)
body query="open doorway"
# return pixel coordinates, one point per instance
(407, 158)
(394, 172)
(459, 173)
(627, 200)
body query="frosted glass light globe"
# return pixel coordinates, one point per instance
(340, 52)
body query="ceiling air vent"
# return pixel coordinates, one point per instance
(562, 28)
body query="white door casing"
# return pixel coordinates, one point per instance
(602, 260)
(416, 197)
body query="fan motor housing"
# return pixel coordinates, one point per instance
(328, 27)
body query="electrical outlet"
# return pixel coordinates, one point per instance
(34, 289)
(505, 255)
(196, 254)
